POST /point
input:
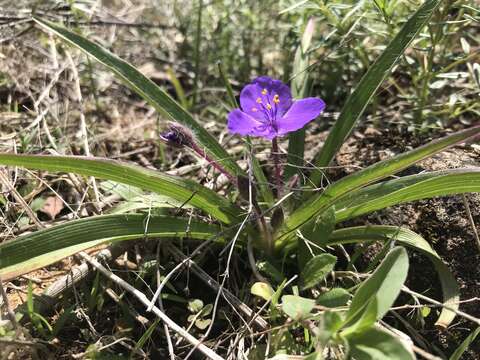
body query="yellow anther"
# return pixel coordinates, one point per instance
(259, 100)
(276, 99)
(254, 109)
(264, 92)
(269, 106)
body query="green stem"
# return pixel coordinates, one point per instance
(228, 87)
(276, 162)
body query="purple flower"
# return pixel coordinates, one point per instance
(267, 110)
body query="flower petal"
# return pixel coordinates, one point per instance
(248, 101)
(275, 87)
(300, 113)
(241, 123)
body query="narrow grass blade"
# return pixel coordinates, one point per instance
(147, 335)
(457, 355)
(409, 188)
(184, 190)
(146, 88)
(299, 85)
(44, 247)
(405, 237)
(370, 82)
(228, 86)
(293, 7)
(178, 88)
(198, 40)
(317, 204)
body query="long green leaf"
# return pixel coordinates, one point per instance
(317, 204)
(405, 189)
(410, 239)
(370, 82)
(146, 88)
(45, 247)
(183, 190)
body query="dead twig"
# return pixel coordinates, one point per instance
(23, 343)
(51, 295)
(21, 201)
(144, 300)
(83, 124)
(430, 300)
(10, 313)
(17, 20)
(470, 219)
(214, 285)
(171, 351)
(425, 354)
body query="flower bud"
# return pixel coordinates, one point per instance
(177, 136)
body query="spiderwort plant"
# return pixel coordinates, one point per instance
(267, 110)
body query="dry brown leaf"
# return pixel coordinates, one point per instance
(52, 207)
